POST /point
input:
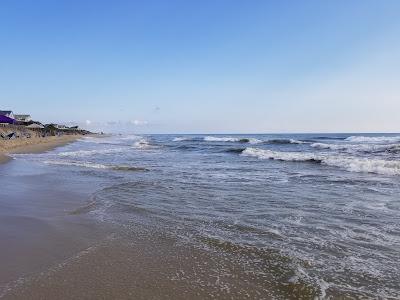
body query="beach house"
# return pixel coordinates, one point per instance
(23, 119)
(7, 116)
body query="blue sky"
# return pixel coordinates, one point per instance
(204, 66)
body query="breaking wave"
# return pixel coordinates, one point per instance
(367, 148)
(285, 141)
(373, 139)
(232, 140)
(349, 163)
(277, 155)
(181, 139)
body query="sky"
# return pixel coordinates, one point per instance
(205, 66)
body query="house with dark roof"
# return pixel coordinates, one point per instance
(7, 116)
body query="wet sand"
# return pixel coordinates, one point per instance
(148, 265)
(51, 248)
(37, 230)
(4, 158)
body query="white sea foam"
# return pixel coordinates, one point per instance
(373, 139)
(254, 141)
(349, 163)
(143, 144)
(82, 153)
(366, 165)
(220, 139)
(358, 147)
(277, 155)
(232, 139)
(329, 146)
(76, 164)
(93, 165)
(180, 139)
(111, 140)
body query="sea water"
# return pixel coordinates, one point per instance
(319, 210)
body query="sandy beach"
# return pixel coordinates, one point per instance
(33, 145)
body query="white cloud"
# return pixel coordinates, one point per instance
(139, 122)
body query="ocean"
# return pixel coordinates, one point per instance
(299, 215)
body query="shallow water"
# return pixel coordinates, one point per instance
(318, 212)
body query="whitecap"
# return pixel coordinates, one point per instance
(181, 139)
(220, 139)
(277, 155)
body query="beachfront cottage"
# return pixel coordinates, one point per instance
(61, 126)
(7, 117)
(23, 118)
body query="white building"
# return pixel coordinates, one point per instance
(23, 118)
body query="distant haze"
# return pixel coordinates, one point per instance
(203, 66)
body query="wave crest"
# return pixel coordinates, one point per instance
(232, 140)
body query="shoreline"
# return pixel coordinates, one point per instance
(33, 145)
